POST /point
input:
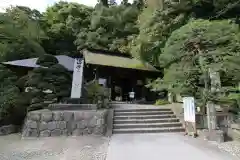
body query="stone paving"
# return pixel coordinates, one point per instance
(168, 146)
(163, 146)
(53, 148)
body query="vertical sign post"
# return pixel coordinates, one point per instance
(189, 115)
(77, 79)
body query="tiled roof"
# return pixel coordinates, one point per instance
(116, 61)
(65, 61)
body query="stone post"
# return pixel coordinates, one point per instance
(211, 116)
(211, 107)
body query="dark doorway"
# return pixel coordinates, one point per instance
(120, 88)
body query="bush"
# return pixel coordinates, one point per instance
(161, 102)
(48, 85)
(97, 94)
(13, 104)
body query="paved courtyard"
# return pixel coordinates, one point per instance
(54, 148)
(122, 147)
(164, 147)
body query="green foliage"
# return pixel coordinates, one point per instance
(161, 102)
(97, 94)
(62, 22)
(55, 79)
(12, 103)
(111, 28)
(47, 60)
(191, 50)
(20, 36)
(156, 25)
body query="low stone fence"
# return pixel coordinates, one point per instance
(46, 123)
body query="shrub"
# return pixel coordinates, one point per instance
(97, 94)
(161, 102)
(13, 104)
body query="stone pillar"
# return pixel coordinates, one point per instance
(211, 108)
(211, 116)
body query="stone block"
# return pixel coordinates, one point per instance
(89, 115)
(4, 130)
(52, 125)
(69, 126)
(45, 133)
(57, 116)
(34, 116)
(98, 131)
(81, 124)
(87, 131)
(65, 132)
(32, 124)
(213, 135)
(78, 115)
(77, 132)
(93, 122)
(61, 125)
(99, 122)
(73, 125)
(47, 116)
(56, 132)
(43, 126)
(32, 133)
(68, 116)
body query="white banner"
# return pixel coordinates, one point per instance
(77, 78)
(189, 109)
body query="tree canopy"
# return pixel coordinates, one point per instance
(185, 38)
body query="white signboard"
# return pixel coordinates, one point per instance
(77, 78)
(189, 109)
(102, 81)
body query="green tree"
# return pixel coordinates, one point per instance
(156, 23)
(195, 48)
(62, 22)
(111, 28)
(20, 36)
(12, 104)
(47, 84)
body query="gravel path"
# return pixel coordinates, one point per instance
(54, 148)
(232, 147)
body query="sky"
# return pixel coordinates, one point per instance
(40, 5)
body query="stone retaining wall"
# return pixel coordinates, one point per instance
(46, 123)
(8, 129)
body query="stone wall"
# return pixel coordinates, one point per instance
(46, 123)
(8, 129)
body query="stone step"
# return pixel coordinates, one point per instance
(147, 125)
(143, 113)
(144, 116)
(148, 130)
(134, 121)
(142, 109)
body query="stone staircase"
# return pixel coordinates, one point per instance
(145, 120)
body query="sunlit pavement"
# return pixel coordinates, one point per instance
(166, 146)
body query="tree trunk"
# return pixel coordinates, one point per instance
(206, 79)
